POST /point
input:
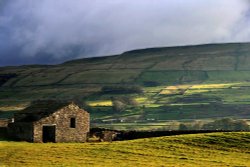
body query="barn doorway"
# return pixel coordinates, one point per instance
(49, 133)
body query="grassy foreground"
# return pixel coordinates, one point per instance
(216, 149)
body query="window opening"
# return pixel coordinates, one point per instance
(72, 122)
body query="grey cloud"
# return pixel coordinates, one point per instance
(52, 31)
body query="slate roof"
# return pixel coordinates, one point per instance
(39, 109)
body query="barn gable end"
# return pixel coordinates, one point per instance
(52, 122)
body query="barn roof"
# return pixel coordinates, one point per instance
(40, 109)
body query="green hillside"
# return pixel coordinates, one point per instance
(216, 149)
(202, 82)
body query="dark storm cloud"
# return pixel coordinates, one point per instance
(52, 31)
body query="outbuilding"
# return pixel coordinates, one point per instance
(50, 121)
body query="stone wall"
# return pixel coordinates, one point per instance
(61, 119)
(4, 122)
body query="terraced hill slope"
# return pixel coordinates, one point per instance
(188, 82)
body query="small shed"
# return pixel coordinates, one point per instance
(50, 121)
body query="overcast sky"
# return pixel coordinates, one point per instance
(53, 31)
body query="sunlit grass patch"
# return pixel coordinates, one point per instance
(153, 105)
(216, 149)
(213, 86)
(177, 89)
(100, 103)
(169, 92)
(197, 91)
(208, 88)
(194, 89)
(141, 99)
(155, 89)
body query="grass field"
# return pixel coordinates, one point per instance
(216, 149)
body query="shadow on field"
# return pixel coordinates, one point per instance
(101, 134)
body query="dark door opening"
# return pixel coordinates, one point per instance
(49, 133)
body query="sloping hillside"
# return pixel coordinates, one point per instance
(188, 82)
(216, 149)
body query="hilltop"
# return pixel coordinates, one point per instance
(178, 83)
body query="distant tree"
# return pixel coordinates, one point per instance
(130, 101)
(241, 125)
(183, 127)
(126, 100)
(197, 126)
(118, 106)
(226, 124)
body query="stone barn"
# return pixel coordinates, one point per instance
(50, 121)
